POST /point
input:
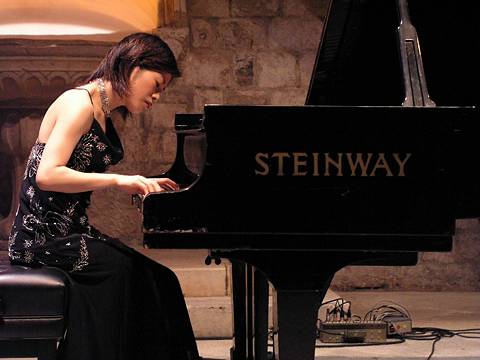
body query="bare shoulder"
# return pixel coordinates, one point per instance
(75, 101)
(73, 105)
(72, 110)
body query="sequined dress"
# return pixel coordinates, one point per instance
(122, 305)
(52, 228)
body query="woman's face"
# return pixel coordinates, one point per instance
(145, 87)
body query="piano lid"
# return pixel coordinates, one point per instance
(358, 61)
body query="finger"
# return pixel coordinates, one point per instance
(153, 186)
(156, 186)
(168, 183)
(143, 189)
(143, 182)
(175, 186)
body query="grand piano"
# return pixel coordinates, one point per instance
(372, 170)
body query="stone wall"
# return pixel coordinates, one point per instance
(457, 270)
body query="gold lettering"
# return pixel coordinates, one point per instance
(259, 158)
(331, 164)
(358, 161)
(329, 161)
(381, 164)
(401, 164)
(315, 164)
(297, 163)
(280, 156)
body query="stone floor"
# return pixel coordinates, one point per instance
(445, 310)
(207, 290)
(211, 316)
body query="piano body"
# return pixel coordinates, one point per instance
(292, 194)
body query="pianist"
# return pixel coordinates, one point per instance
(122, 305)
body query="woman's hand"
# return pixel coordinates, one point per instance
(166, 184)
(137, 184)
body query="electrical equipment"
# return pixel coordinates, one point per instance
(398, 325)
(353, 332)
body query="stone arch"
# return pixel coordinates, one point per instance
(32, 85)
(10, 87)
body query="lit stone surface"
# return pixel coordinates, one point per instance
(255, 7)
(213, 8)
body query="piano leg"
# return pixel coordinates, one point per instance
(239, 311)
(294, 323)
(250, 313)
(301, 280)
(260, 315)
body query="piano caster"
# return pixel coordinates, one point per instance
(208, 260)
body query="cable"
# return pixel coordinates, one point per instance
(386, 311)
(340, 311)
(387, 308)
(436, 334)
(396, 341)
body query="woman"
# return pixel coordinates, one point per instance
(121, 305)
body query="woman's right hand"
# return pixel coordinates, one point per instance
(137, 184)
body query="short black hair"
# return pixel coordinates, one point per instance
(145, 50)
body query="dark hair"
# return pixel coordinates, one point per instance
(145, 50)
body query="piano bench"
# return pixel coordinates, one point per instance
(33, 304)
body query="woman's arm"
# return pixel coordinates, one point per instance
(71, 122)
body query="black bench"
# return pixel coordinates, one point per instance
(33, 305)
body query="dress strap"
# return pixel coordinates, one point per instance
(88, 92)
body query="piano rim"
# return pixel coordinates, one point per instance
(299, 241)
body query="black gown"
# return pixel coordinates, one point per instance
(122, 305)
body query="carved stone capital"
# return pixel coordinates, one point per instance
(34, 72)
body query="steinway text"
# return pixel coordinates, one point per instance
(331, 164)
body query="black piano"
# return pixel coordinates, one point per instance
(372, 170)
